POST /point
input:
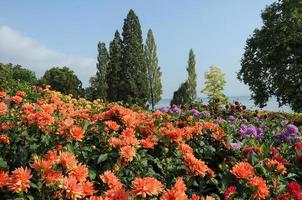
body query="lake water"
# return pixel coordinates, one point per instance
(272, 104)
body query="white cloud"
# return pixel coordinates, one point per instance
(18, 49)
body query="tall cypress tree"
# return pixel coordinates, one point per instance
(98, 83)
(135, 84)
(191, 76)
(153, 70)
(114, 78)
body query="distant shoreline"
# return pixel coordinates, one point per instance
(272, 104)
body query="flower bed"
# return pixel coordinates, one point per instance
(56, 147)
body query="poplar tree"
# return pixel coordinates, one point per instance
(134, 73)
(98, 83)
(114, 77)
(192, 76)
(153, 70)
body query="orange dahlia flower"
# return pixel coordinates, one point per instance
(77, 133)
(19, 180)
(3, 108)
(52, 177)
(262, 190)
(3, 179)
(112, 125)
(88, 189)
(72, 188)
(243, 170)
(197, 167)
(68, 160)
(127, 153)
(146, 186)
(178, 191)
(80, 172)
(111, 180)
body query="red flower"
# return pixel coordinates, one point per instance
(248, 150)
(229, 192)
(299, 159)
(282, 197)
(294, 190)
(298, 145)
(280, 159)
(274, 151)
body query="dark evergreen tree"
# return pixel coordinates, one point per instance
(114, 77)
(98, 83)
(134, 73)
(181, 95)
(153, 70)
(192, 76)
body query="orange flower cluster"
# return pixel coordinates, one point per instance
(196, 166)
(178, 191)
(53, 112)
(75, 184)
(217, 132)
(3, 108)
(4, 139)
(129, 117)
(259, 184)
(116, 189)
(276, 166)
(179, 135)
(147, 186)
(127, 142)
(246, 171)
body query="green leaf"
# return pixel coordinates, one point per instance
(30, 197)
(92, 174)
(102, 158)
(86, 124)
(3, 163)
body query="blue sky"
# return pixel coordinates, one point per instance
(41, 34)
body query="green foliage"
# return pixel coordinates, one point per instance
(181, 96)
(63, 80)
(153, 70)
(98, 83)
(134, 72)
(272, 64)
(192, 76)
(114, 78)
(17, 72)
(214, 84)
